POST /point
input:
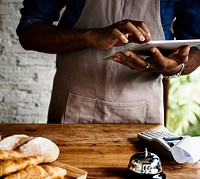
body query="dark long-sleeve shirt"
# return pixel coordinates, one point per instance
(186, 13)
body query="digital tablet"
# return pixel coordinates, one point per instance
(166, 45)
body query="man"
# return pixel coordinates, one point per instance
(127, 89)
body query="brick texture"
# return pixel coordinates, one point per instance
(26, 77)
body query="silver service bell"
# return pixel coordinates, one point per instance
(145, 165)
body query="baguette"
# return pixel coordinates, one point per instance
(39, 172)
(54, 171)
(13, 165)
(10, 154)
(30, 172)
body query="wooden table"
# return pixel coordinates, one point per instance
(103, 150)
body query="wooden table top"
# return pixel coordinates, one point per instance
(103, 150)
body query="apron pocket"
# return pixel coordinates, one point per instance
(80, 109)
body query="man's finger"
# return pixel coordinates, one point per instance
(158, 58)
(145, 28)
(116, 34)
(183, 54)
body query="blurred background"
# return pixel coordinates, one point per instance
(183, 116)
(26, 81)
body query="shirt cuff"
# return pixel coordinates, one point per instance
(26, 22)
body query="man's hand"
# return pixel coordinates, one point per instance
(119, 34)
(51, 39)
(157, 62)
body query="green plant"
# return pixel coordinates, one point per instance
(184, 105)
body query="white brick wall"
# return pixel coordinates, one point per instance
(26, 77)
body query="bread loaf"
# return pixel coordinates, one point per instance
(31, 146)
(20, 156)
(41, 146)
(10, 142)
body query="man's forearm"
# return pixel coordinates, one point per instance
(193, 62)
(50, 39)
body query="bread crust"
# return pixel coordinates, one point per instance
(10, 154)
(25, 157)
(15, 164)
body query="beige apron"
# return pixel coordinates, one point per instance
(90, 90)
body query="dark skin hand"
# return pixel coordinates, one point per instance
(120, 34)
(47, 38)
(167, 65)
(51, 39)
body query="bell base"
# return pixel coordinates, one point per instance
(132, 175)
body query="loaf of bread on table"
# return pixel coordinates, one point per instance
(14, 141)
(31, 146)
